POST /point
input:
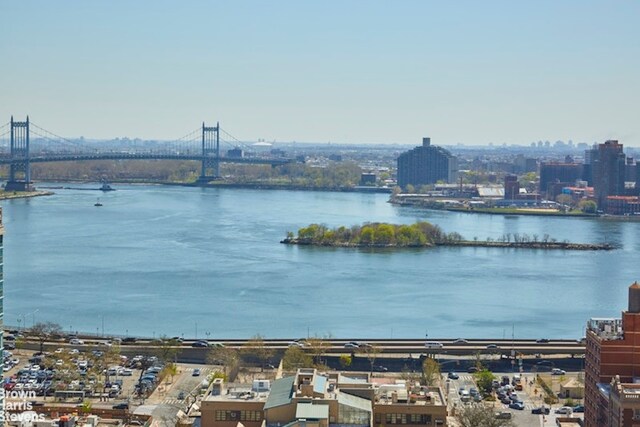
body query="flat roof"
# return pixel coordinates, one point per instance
(309, 411)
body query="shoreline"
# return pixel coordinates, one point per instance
(4, 195)
(462, 243)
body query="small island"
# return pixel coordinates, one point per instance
(421, 235)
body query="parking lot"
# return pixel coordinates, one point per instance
(461, 390)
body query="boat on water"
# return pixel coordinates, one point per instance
(97, 203)
(106, 187)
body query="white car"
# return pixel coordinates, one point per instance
(126, 372)
(76, 341)
(556, 371)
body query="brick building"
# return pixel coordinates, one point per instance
(612, 368)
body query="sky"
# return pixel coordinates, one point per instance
(470, 72)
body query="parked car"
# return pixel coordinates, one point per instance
(503, 415)
(181, 395)
(517, 405)
(123, 405)
(453, 376)
(565, 410)
(578, 408)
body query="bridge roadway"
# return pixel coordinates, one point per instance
(43, 158)
(386, 346)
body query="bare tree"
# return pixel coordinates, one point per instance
(479, 415)
(256, 347)
(44, 330)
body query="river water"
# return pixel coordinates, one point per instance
(208, 263)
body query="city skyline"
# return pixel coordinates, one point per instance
(467, 73)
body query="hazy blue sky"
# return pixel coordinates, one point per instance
(343, 71)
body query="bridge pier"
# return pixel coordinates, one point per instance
(210, 154)
(20, 160)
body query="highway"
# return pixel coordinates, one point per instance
(385, 346)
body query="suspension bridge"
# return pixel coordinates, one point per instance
(24, 142)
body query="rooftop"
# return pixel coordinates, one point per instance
(606, 328)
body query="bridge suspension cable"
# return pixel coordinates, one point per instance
(52, 137)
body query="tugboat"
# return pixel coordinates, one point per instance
(106, 187)
(97, 203)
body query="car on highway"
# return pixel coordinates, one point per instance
(351, 345)
(460, 341)
(542, 341)
(181, 395)
(380, 368)
(517, 405)
(453, 376)
(129, 340)
(491, 346)
(433, 344)
(200, 344)
(557, 371)
(542, 410)
(565, 410)
(196, 372)
(472, 369)
(76, 341)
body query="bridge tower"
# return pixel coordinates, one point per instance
(20, 168)
(210, 153)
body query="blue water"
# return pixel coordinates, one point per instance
(186, 261)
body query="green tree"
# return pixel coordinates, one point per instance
(296, 358)
(484, 379)
(86, 406)
(588, 206)
(345, 360)
(410, 189)
(384, 234)
(480, 416)
(430, 372)
(367, 235)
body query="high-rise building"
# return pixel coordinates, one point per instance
(612, 368)
(511, 187)
(558, 173)
(1, 301)
(608, 168)
(427, 164)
